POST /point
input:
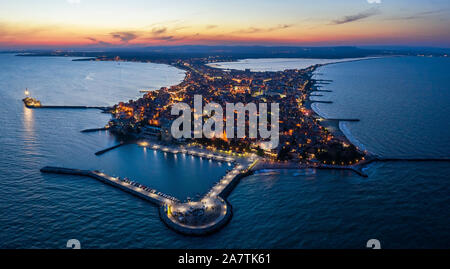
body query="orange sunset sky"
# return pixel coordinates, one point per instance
(113, 23)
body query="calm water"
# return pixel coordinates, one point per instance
(276, 64)
(405, 114)
(404, 205)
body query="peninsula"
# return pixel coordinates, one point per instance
(305, 140)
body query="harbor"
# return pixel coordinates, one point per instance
(200, 217)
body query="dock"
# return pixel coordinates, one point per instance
(103, 108)
(189, 151)
(94, 130)
(33, 103)
(350, 120)
(100, 152)
(321, 102)
(196, 218)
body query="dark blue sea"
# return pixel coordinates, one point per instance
(402, 104)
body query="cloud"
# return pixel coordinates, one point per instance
(161, 34)
(98, 42)
(124, 36)
(165, 38)
(356, 17)
(159, 31)
(252, 30)
(420, 15)
(374, 1)
(211, 26)
(74, 2)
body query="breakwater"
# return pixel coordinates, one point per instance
(102, 108)
(94, 130)
(350, 120)
(381, 159)
(322, 102)
(141, 191)
(201, 217)
(357, 168)
(100, 152)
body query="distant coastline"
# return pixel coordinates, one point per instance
(309, 62)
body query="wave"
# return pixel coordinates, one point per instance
(346, 131)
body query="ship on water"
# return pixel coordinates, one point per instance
(29, 101)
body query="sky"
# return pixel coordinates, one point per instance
(136, 23)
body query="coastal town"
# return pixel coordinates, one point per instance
(302, 138)
(305, 140)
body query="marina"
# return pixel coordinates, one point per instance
(200, 217)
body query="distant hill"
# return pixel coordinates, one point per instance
(171, 53)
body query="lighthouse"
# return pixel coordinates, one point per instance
(29, 101)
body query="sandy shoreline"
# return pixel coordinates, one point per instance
(307, 62)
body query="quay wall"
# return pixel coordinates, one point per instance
(126, 189)
(230, 187)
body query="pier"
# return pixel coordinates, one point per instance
(189, 151)
(350, 120)
(322, 102)
(100, 152)
(71, 107)
(381, 159)
(138, 190)
(94, 130)
(33, 103)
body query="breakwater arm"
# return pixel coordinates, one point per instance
(100, 152)
(352, 120)
(72, 107)
(317, 90)
(294, 166)
(140, 191)
(322, 102)
(94, 130)
(411, 160)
